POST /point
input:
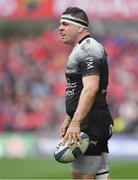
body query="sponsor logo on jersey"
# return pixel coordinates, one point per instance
(70, 88)
(71, 71)
(89, 63)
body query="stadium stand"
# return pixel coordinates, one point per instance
(32, 82)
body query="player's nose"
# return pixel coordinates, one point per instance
(60, 27)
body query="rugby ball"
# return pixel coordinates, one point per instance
(66, 154)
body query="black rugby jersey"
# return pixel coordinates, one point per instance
(87, 57)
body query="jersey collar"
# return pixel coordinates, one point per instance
(87, 36)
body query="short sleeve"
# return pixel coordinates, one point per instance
(89, 66)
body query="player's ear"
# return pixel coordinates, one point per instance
(81, 29)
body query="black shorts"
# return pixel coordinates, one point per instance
(98, 125)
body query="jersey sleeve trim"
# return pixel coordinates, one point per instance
(89, 74)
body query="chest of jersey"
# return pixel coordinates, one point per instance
(72, 68)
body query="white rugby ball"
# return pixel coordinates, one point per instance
(66, 154)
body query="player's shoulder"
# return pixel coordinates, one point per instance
(92, 47)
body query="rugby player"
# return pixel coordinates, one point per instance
(86, 105)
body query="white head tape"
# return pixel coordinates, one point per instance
(74, 21)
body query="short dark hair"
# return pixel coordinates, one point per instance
(77, 13)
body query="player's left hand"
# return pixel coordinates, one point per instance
(72, 134)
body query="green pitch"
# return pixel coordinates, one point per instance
(48, 168)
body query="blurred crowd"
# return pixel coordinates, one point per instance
(32, 82)
(123, 84)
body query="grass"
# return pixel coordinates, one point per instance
(124, 169)
(48, 168)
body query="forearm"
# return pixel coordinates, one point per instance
(86, 101)
(67, 118)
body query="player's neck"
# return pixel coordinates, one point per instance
(81, 37)
(84, 37)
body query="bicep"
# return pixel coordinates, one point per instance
(91, 82)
